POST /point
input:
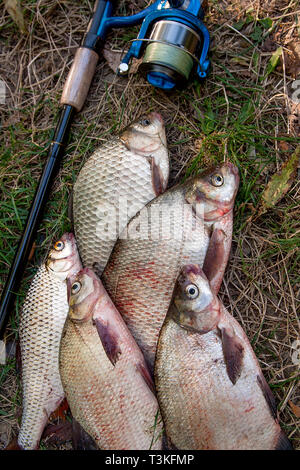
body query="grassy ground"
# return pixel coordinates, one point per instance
(243, 111)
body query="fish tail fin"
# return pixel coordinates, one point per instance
(14, 445)
(283, 443)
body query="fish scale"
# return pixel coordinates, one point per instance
(140, 273)
(115, 172)
(122, 162)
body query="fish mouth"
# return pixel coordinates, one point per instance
(69, 236)
(192, 269)
(156, 116)
(189, 271)
(234, 169)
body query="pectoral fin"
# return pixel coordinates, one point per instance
(158, 181)
(215, 259)
(233, 351)
(58, 433)
(109, 339)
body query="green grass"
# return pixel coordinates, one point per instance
(231, 114)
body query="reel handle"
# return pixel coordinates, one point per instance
(80, 78)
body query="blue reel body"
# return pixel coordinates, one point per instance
(186, 15)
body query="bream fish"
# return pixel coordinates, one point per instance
(180, 226)
(211, 390)
(118, 180)
(44, 312)
(107, 384)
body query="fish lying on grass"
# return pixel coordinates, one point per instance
(211, 390)
(115, 183)
(42, 319)
(181, 226)
(107, 384)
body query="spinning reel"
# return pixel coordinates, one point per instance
(173, 41)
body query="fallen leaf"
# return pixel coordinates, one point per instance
(58, 433)
(198, 145)
(134, 66)
(12, 120)
(295, 409)
(60, 412)
(31, 254)
(113, 58)
(13, 444)
(280, 183)
(273, 62)
(14, 9)
(284, 146)
(266, 22)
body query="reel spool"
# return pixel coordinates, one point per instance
(170, 55)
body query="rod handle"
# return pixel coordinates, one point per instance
(79, 78)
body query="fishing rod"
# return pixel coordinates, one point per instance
(174, 44)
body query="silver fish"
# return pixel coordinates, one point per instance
(42, 319)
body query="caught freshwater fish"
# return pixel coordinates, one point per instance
(118, 180)
(42, 319)
(107, 384)
(211, 390)
(180, 226)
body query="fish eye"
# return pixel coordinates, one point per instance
(76, 287)
(145, 122)
(192, 291)
(59, 246)
(217, 179)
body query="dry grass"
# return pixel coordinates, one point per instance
(240, 111)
